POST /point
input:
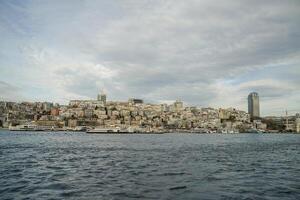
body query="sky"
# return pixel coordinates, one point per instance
(203, 52)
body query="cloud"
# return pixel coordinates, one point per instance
(9, 92)
(206, 53)
(269, 88)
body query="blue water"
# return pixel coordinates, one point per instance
(169, 166)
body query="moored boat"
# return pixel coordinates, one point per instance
(107, 130)
(23, 127)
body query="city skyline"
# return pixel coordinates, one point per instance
(203, 53)
(253, 104)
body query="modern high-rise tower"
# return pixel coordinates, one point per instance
(102, 97)
(253, 105)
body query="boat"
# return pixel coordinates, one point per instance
(253, 130)
(80, 128)
(23, 127)
(31, 127)
(100, 130)
(107, 130)
(122, 131)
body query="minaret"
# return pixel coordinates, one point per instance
(286, 120)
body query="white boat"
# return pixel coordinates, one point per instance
(108, 130)
(80, 128)
(100, 130)
(224, 131)
(23, 127)
(31, 127)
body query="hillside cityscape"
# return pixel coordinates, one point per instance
(135, 115)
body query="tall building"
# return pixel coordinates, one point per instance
(178, 106)
(102, 97)
(135, 101)
(253, 105)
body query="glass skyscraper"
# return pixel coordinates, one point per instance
(253, 105)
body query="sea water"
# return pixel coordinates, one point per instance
(65, 165)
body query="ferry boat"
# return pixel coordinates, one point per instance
(118, 130)
(23, 127)
(100, 130)
(31, 127)
(108, 130)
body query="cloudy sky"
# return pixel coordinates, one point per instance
(203, 52)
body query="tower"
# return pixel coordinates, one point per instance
(178, 105)
(253, 105)
(102, 97)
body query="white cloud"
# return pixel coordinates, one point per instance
(9, 92)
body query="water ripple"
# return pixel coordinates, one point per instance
(180, 166)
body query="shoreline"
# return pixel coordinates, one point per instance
(144, 133)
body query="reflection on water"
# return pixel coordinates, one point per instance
(168, 166)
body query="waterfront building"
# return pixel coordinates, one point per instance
(253, 105)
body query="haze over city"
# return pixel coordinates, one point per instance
(205, 53)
